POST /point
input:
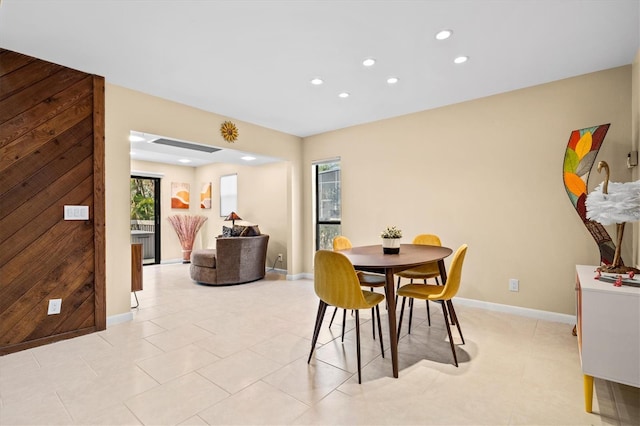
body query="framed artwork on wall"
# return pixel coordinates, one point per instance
(179, 195)
(228, 194)
(205, 195)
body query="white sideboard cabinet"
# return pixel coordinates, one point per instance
(608, 319)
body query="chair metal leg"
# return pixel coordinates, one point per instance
(373, 322)
(333, 316)
(410, 313)
(137, 302)
(446, 308)
(404, 299)
(344, 321)
(428, 313)
(322, 308)
(446, 322)
(410, 309)
(427, 303)
(358, 343)
(452, 312)
(397, 287)
(380, 330)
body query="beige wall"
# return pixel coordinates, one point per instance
(262, 201)
(487, 173)
(128, 110)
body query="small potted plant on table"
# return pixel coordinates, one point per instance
(391, 240)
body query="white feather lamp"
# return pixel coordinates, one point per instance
(615, 203)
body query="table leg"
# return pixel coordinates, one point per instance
(443, 277)
(588, 393)
(443, 271)
(393, 332)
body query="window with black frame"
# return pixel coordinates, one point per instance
(328, 204)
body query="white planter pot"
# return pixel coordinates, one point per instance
(391, 245)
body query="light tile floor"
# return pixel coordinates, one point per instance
(198, 355)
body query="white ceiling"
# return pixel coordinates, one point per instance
(143, 148)
(253, 60)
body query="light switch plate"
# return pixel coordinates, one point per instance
(76, 212)
(514, 284)
(55, 305)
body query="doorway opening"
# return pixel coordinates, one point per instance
(145, 217)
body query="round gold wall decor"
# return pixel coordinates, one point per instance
(229, 131)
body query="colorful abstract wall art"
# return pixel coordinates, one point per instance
(579, 158)
(205, 195)
(179, 195)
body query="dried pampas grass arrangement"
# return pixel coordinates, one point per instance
(186, 227)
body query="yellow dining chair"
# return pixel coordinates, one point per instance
(367, 279)
(336, 283)
(422, 272)
(438, 293)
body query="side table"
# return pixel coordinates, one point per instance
(608, 326)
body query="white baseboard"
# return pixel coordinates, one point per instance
(517, 310)
(302, 276)
(120, 318)
(489, 306)
(169, 261)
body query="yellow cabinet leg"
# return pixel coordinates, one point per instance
(588, 393)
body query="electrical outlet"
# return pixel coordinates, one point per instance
(280, 257)
(55, 305)
(514, 284)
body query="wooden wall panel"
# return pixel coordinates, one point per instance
(46, 153)
(41, 91)
(11, 61)
(16, 242)
(99, 207)
(51, 155)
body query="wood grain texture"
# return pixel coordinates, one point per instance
(43, 111)
(40, 91)
(34, 140)
(99, 206)
(11, 61)
(136, 267)
(51, 155)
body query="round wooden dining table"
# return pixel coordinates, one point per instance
(372, 259)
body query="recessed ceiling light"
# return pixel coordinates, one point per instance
(248, 158)
(368, 62)
(136, 138)
(392, 80)
(317, 81)
(184, 160)
(343, 95)
(461, 59)
(444, 34)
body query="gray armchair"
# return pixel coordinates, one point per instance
(235, 260)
